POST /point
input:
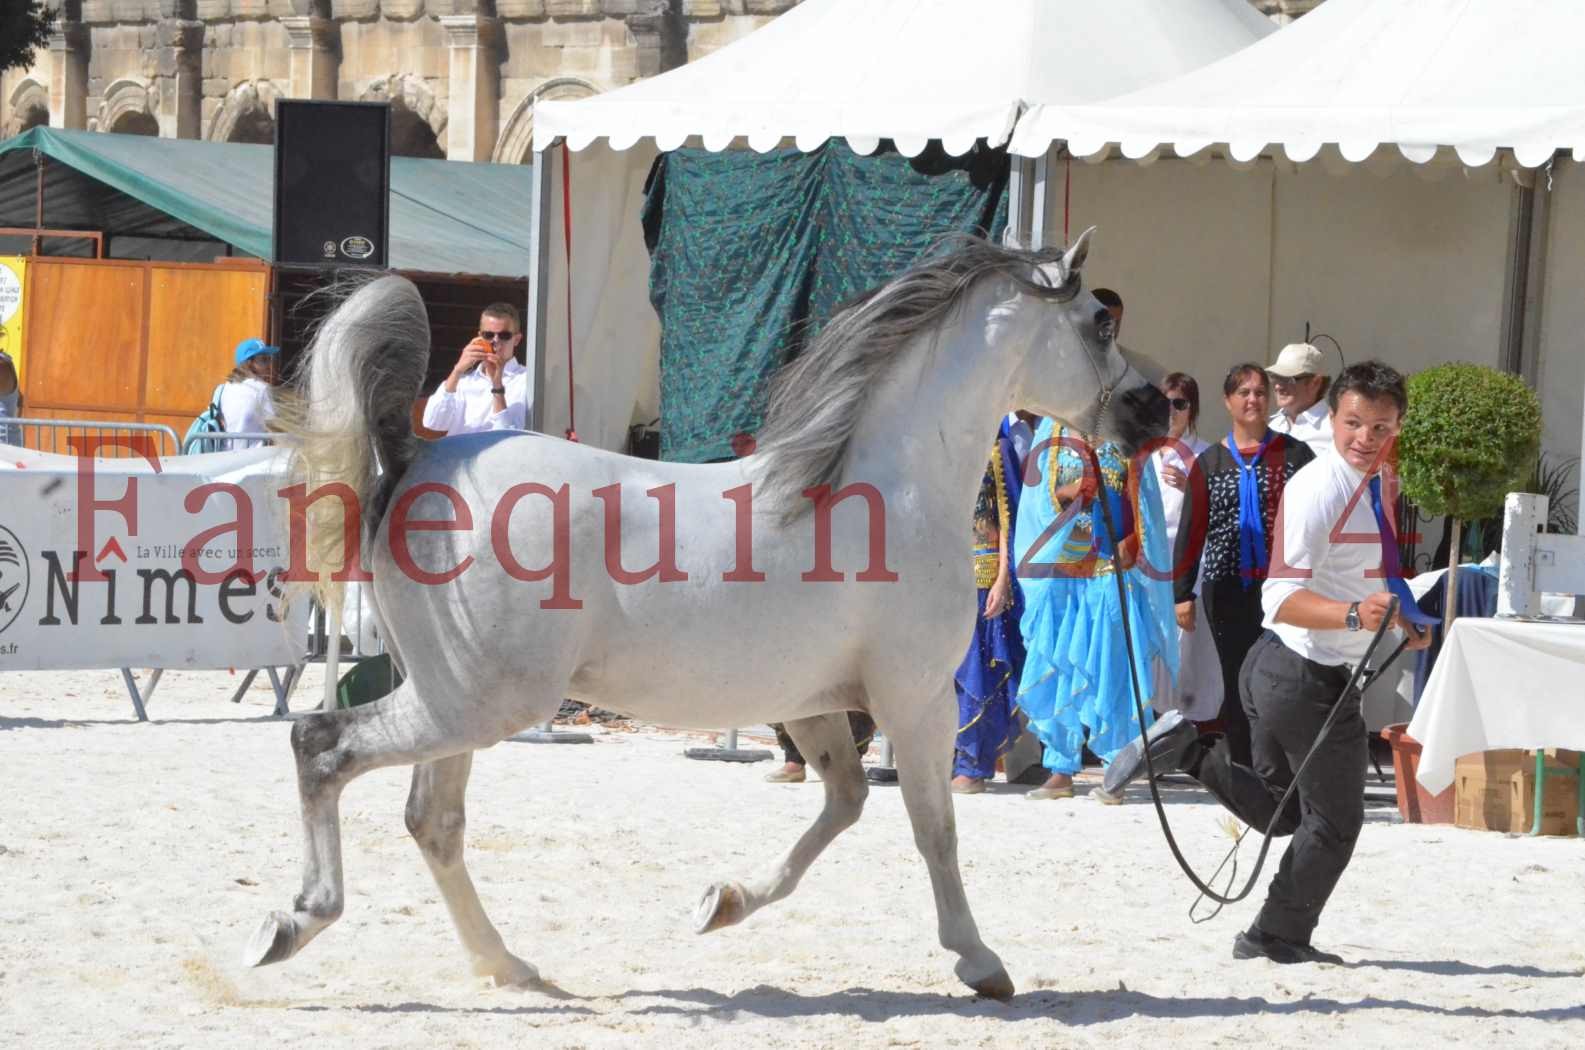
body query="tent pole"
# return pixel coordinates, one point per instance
(1020, 186)
(1039, 199)
(38, 202)
(538, 302)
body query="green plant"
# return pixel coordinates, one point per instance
(1470, 437)
(24, 28)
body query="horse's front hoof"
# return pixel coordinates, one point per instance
(995, 985)
(274, 941)
(513, 972)
(722, 905)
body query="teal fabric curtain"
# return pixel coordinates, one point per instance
(750, 254)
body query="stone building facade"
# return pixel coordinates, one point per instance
(462, 75)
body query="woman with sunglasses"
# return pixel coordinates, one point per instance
(486, 389)
(1223, 544)
(1198, 695)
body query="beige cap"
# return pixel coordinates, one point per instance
(1298, 359)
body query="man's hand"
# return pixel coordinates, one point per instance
(492, 367)
(476, 352)
(1373, 610)
(1185, 611)
(1175, 477)
(1418, 637)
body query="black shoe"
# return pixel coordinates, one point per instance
(1257, 944)
(1170, 740)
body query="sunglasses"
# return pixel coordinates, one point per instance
(1179, 404)
(497, 336)
(1304, 377)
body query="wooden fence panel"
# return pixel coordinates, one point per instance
(135, 341)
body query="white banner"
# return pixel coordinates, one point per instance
(126, 566)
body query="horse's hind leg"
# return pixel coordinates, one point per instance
(332, 748)
(828, 744)
(435, 817)
(921, 729)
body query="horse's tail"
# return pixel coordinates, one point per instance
(350, 423)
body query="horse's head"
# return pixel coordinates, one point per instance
(1074, 370)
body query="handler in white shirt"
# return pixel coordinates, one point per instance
(487, 389)
(1327, 590)
(1300, 386)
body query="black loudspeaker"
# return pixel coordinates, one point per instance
(332, 183)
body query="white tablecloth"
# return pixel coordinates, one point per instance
(1500, 684)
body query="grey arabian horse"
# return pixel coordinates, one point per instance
(826, 572)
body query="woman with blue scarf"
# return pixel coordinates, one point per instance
(1076, 686)
(1229, 516)
(988, 676)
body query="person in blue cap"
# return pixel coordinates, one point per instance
(246, 397)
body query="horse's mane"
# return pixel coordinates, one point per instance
(817, 399)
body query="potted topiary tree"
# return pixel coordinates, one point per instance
(1472, 435)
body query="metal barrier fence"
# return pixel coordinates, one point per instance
(54, 435)
(199, 443)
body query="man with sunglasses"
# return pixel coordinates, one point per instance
(486, 390)
(1301, 386)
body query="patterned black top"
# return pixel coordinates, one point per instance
(1216, 527)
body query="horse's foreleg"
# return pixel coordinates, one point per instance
(435, 817)
(332, 748)
(921, 729)
(827, 743)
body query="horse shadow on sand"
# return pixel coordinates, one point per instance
(1072, 1009)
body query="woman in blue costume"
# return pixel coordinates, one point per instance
(1075, 683)
(989, 673)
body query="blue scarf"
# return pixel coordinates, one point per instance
(1408, 608)
(1252, 555)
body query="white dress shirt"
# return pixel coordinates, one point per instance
(1313, 426)
(245, 407)
(1326, 546)
(471, 410)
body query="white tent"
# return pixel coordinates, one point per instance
(1450, 83)
(1476, 76)
(908, 70)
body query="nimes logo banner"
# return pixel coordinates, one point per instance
(144, 609)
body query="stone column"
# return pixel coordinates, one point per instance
(69, 76)
(180, 72)
(473, 115)
(315, 44)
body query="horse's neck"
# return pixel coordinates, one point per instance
(929, 425)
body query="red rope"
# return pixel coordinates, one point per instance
(1067, 191)
(566, 210)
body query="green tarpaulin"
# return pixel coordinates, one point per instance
(446, 216)
(751, 253)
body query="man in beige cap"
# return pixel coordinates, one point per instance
(1300, 386)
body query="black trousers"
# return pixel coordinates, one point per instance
(861, 724)
(1234, 616)
(1287, 698)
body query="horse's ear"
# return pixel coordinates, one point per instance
(1010, 239)
(1073, 261)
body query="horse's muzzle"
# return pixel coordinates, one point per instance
(1140, 414)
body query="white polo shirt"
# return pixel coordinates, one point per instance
(1325, 545)
(1313, 426)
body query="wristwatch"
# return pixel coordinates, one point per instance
(498, 390)
(1351, 618)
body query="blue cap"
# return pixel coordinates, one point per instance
(253, 348)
